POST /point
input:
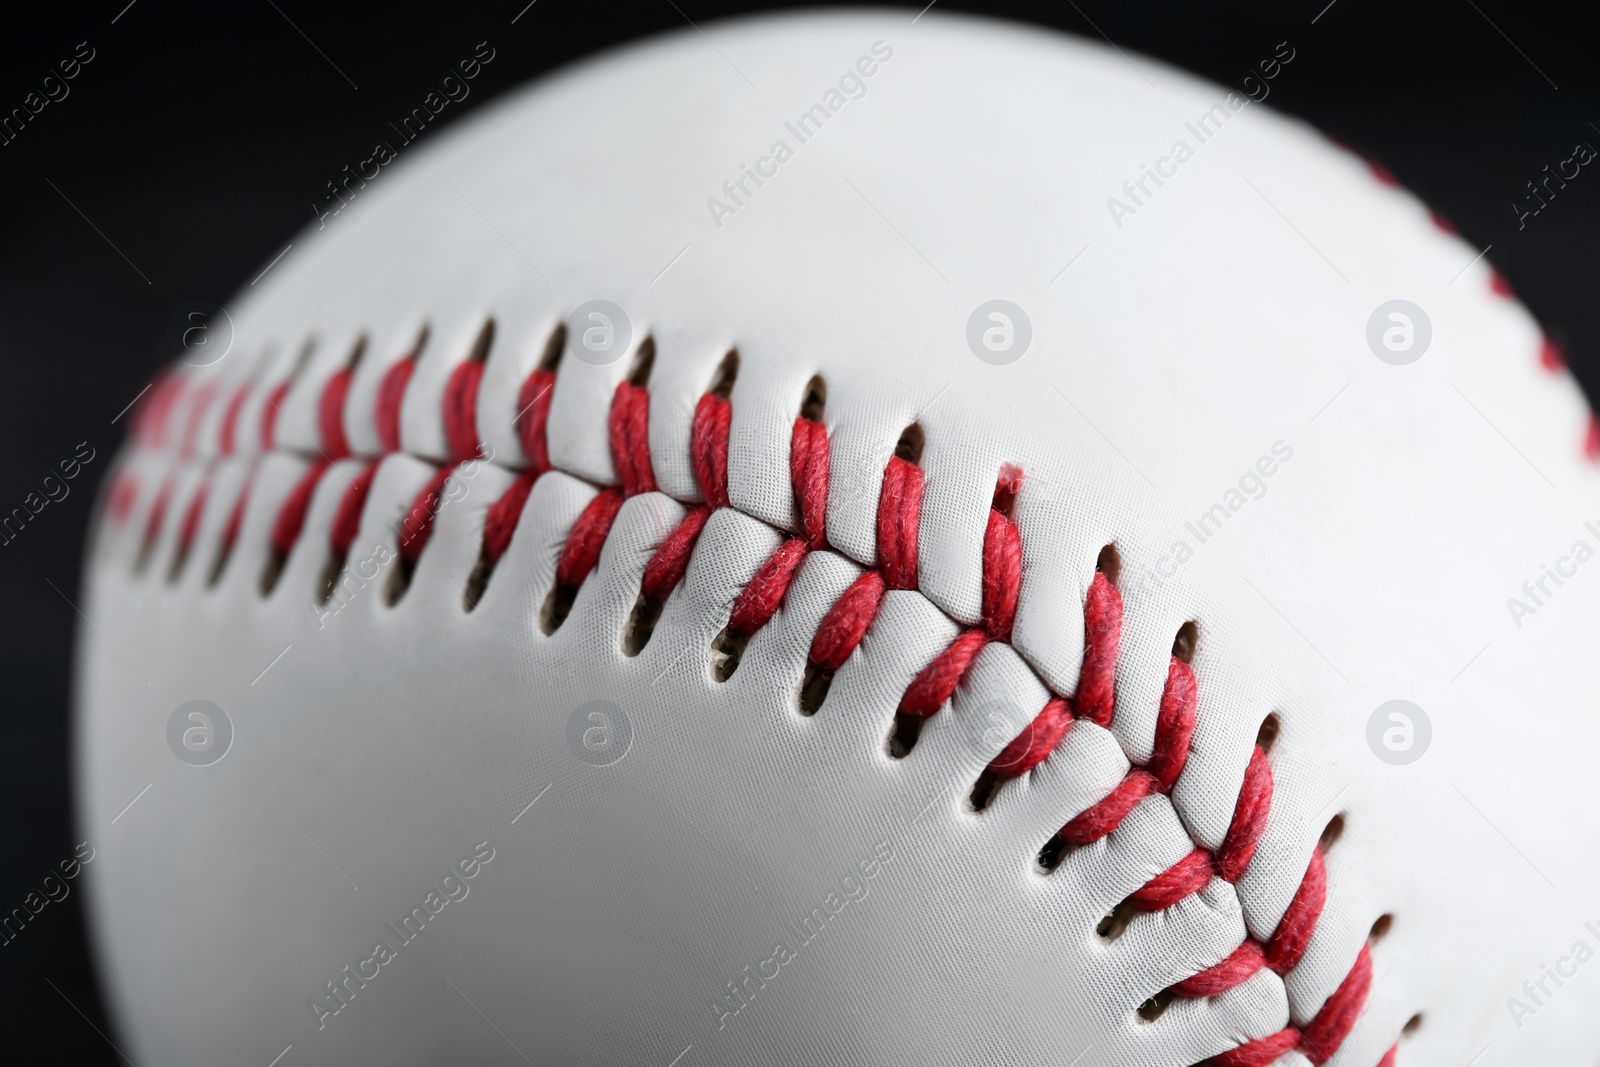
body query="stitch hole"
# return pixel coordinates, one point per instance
(220, 564)
(554, 345)
(557, 606)
(480, 345)
(903, 735)
(985, 789)
(815, 401)
(1331, 834)
(272, 570)
(727, 371)
(1051, 854)
(1183, 645)
(330, 576)
(1412, 1025)
(1267, 736)
(726, 652)
(1156, 1006)
(814, 688)
(1116, 924)
(910, 445)
(399, 580)
(477, 583)
(1109, 563)
(641, 624)
(643, 360)
(1381, 928)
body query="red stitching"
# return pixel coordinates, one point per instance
(227, 434)
(459, 405)
(269, 416)
(533, 407)
(292, 512)
(386, 410)
(845, 626)
(191, 519)
(330, 415)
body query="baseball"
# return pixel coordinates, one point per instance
(846, 538)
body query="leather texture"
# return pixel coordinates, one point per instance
(623, 913)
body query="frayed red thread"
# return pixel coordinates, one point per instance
(533, 416)
(899, 514)
(418, 524)
(459, 406)
(846, 623)
(1288, 942)
(347, 517)
(671, 560)
(582, 550)
(808, 473)
(386, 410)
(629, 429)
(330, 415)
(761, 598)
(1102, 637)
(1249, 818)
(1240, 966)
(708, 448)
(1323, 1035)
(1002, 576)
(500, 522)
(1261, 1052)
(1174, 724)
(1096, 822)
(292, 512)
(1177, 883)
(1028, 749)
(938, 681)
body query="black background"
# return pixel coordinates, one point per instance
(191, 149)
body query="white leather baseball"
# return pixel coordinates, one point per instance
(699, 870)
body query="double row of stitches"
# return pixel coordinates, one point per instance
(844, 625)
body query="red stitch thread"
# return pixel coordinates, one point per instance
(1261, 1052)
(1388, 1057)
(330, 415)
(808, 473)
(269, 416)
(761, 598)
(1384, 175)
(1177, 883)
(1322, 1037)
(1240, 966)
(899, 513)
(1102, 638)
(1440, 222)
(347, 519)
(1499, 286)
(501, 520)
(1092, 824)
(1028, 749)
(847, 621)
(708, 448)
(1174, 724)
(1249, 818)
(533, 407)
(582, 550)
(460, 410)
(191, 520)
(418, 524)
(391, 392)
(671, 560)
(1288, 942)
(1002, 576)
(122, 497)
(230, 529)
(630, 438)
(227, 434)
(292, 512)
(1591, 440)
(939, 679)
(158, 514)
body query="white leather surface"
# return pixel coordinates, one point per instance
(1227, 315)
